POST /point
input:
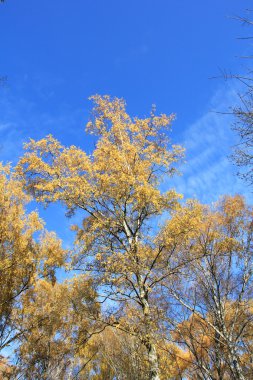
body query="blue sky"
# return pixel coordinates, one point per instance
(56, 54)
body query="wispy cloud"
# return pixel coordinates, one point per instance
(208, 172)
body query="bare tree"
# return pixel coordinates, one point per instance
(243, 115)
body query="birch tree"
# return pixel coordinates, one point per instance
(217, 293)
(117, 188)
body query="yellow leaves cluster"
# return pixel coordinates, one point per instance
(201, 339)
(118, 355)
(16, 232)
(126, 162)
(185, 222)
(202, 230)
(51, 252)
(173, 360)
(195, 330)
(6, 369)
(58, 318)
(58, 172)
(22, 257)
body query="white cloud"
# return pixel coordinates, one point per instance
(208, 172)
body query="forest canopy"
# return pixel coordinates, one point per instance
(158, 287)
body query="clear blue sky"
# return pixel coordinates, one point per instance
(58, 53)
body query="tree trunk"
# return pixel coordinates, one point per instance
(235, 365)
(148, 341)
(153, 362)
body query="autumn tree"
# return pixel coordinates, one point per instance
(58, 321)
(217, 290)
(118, 355)
(118, 190)
(23, 259)
(123, 357)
